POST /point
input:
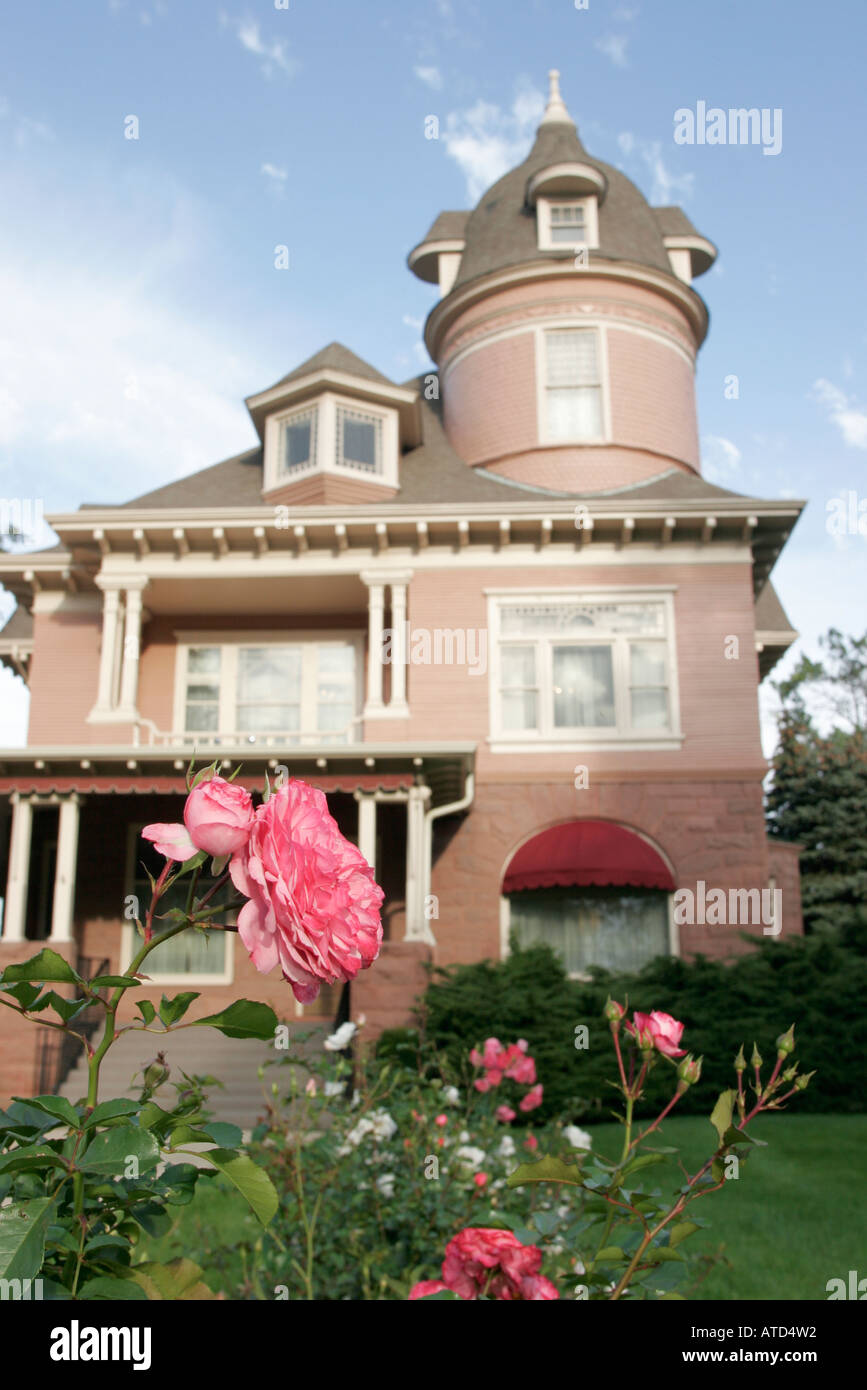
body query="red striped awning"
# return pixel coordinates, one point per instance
(584, 853)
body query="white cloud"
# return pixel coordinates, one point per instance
(412, 322)
(841, 411)
(24, 130)
(614, 48)
(486, 141)
(140, 393)
(720, 459)
(276, 175)
(666, 186)
(274, 53)
(431, 77)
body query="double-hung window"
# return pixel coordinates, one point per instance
(568, 224)
(573, 667)
(269, 691)
(572, 386)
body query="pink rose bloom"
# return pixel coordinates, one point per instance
(492, 1055)
(441, 1120)
(531, 1142)
(219, 816)
(504, 1114)
(314, 904)
(480, 1179)
(482, 1084)
(523, 1070)
(660, 1029)
(531, 1100)
(427, 1287)
(480, 1259)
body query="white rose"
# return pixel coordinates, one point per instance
(578, 1138)
(341, 1038)
(470, 1155)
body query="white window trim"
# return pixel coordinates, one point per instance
(325, 457)
(506, 927)
(590, 205)
(602, 739)
(235, 639)
(130, 940)
(542, 377)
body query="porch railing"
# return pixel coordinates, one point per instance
(57, 1053)
(147, 734)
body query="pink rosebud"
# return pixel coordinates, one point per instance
(171, 840)
(494, 1077)
(480, 1179)
(219, 816)
(417, 1116)
(310, 1088)
(441, 1120)
(658, 1030)
(531, 1100)
(531, 1142)
(482, 1084)
(505, 1114)
(314, 905)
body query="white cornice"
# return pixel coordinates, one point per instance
(443, 313)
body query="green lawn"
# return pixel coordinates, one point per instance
(796, 1216)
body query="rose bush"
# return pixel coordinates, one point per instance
(81, 1185)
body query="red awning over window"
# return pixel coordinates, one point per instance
(583, 853)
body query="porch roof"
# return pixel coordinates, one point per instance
(123, 769)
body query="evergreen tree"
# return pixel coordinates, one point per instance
(818, 797)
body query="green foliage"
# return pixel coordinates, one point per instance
(819, 984)
(79, 1183)
(818, 795)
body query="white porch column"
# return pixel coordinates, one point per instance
(397, 703)
(131, 650)
(19, 869)
(108, 652)
(375, 610)
(367, 826)
(416, 879)
(64, 877)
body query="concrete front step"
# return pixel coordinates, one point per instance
(242, 1097)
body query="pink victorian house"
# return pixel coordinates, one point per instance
(495, 613)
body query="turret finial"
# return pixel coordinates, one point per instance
(556, 109)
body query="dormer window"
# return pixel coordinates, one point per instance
(299, 442)
(566, 222)
(337, 435)
(359, 440)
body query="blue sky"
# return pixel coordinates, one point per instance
(139, 300)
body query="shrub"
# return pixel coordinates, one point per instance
(817, 984)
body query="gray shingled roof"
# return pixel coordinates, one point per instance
(18, 627)
(502, 229)
(673, 221)
(770, 614)
(432, 472)
(341, 359)
(449, 226)
(236, 482)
